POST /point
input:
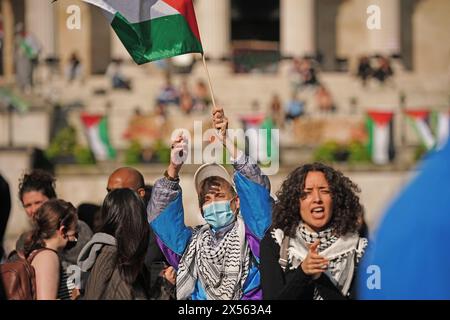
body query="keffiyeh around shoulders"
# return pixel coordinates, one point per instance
(344, 253)
(221, 268)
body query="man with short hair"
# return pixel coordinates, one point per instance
(219, 260)
(127, 177)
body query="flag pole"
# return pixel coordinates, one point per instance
(209, 81)
(211, 90)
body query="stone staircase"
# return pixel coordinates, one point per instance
(237, 93)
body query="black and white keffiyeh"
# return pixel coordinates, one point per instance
(344, 253)
(326, 237)
(221, 268)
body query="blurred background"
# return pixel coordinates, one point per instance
(372, 103)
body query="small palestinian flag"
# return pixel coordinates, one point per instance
(420, 120)
(96, 127)
(442, 128)
(380, 126)
(268, 143)
(153, 29)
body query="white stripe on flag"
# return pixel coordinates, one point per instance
(426, 134)
(135, 11)
(97, 145)
(443, 129)
(381, 144)
(263, 156)
(162, 9)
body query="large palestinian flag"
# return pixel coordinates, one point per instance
(153, 29)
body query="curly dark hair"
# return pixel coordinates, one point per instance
(37, 180)
(346, 209)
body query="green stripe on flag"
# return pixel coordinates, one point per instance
(156, 39)
(103, 133)
(434, 122)
(268, 125)
(413, 122)
(370, 128)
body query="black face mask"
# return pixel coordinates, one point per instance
(71, 244)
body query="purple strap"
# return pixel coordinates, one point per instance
(172, 257)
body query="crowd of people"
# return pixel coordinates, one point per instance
(304, 76)
(305, 79)
(186, 99)
(305, 242)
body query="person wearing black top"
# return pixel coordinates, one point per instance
(364, 70)
(162, 276)
(313, 248)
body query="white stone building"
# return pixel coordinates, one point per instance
(415, 30)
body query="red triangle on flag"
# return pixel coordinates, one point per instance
(253, 119)
(418, 114)
(186, 9)
(90, 120)
(381, 117)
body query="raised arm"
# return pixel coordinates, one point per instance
(243, 164)
(252, 186)
(165, 211)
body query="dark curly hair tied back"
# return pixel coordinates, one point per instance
(346, 209)
(37, 180)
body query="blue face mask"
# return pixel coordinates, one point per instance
(218, 214)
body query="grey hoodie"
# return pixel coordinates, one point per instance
(101, 279)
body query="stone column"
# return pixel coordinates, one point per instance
(117, 48)
(74, 40)
(214, 22)
(40, 22)
(8, 40)
(387, 40)
(297, 18)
